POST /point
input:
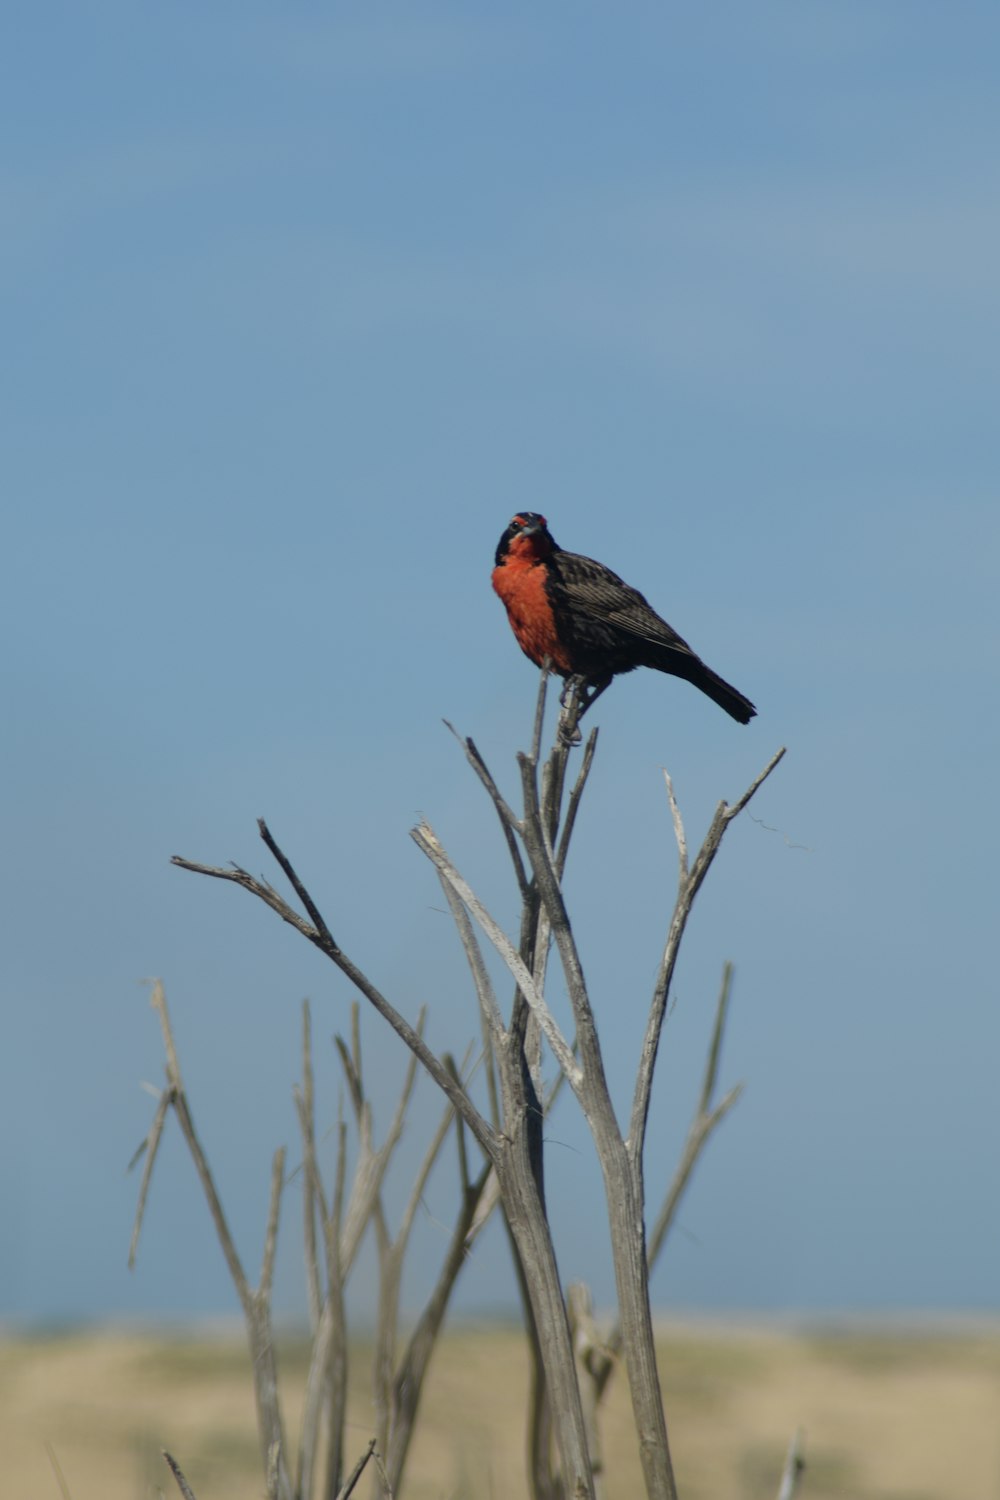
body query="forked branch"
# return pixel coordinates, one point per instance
(255, 1301)
(689, 884)
(318, 933)
(706, 1117)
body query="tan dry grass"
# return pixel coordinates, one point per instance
(888, 1416)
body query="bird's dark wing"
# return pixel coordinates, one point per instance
(595, 594)
(607, 627)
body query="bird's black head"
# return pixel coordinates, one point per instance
(527, 532)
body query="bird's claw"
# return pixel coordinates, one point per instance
(574, 701)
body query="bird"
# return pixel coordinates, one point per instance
(589, 623)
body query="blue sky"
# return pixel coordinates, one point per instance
(300, 304)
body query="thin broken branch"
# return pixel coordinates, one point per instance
(427, 840)
(794, 1467)
(312, 1187)
(688, 887)
(705, 1119)
(150, 1146)
(255, 1303)
(318, 933)
(178, 1474)
(271, 1233)
(356, 1472)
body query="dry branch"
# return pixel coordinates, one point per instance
(689, 884)
(57, 1472)
(794, 1466)
(255, 1302)
(318, 933)
(177, 1472)
(537, 843)
(312, 1188)
(356, 1472)
(427, 840)
(150, 1146)
(326, 1380)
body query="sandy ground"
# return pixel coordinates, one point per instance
(890, 1415)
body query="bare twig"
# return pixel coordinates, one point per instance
(150, 1146)
(271, 1233)
(176, 1471)
(178, 1098)
(540, 853)
(426, 839)
(296, 884)
(329, 1348)
(508, 819)
(588, 1349)
(387, 1490)
(794, 1465)
(711, 1074)
(679, 834)
(573, 806)
(356, 1472)
(311, 1185)
(755, 785)
(318, 933)
(273, 1471)
(60, 1477)
(490, 1018)
(688, 887)
(493, 1026)
(255, 1304)
(398, 1390)
(705, 1119)
(543, 687)
(328, 1364)
(423, 1172)
(364, 1202)
(463, 1158)
(411, 1372)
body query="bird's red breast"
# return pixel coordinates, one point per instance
(520, 580)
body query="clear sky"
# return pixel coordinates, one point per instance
(299, 304)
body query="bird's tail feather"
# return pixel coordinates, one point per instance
(691, 667)
(726, 696)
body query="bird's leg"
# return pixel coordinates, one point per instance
(577, 683)
(576, 697)
(596, 689)
(571, 701)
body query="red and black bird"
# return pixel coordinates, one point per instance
(587, 621)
